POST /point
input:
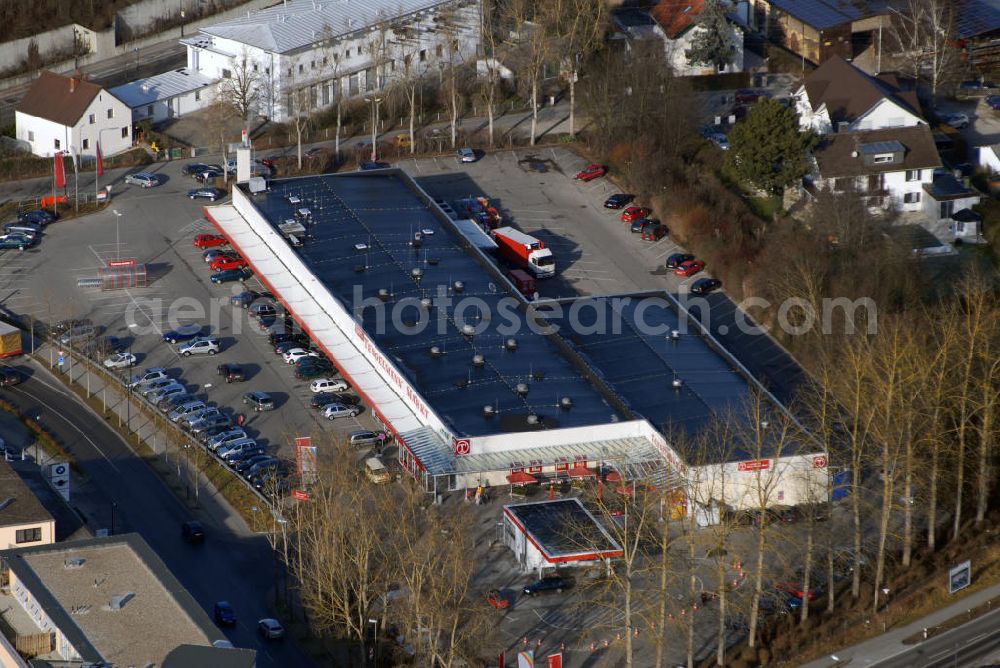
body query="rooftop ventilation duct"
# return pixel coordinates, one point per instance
(489, 411)
(458, 286)
(468, 330)
(510, 344)
(478, 360)
(566, 403)
(119, 602)
(435, 351)
(521, 389)
(74, 562)
(677, 383)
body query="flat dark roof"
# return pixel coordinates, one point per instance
(384, 212)
(562, 528)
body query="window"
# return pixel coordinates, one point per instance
(325, 61)
(111, 113)
(959, 228)
(255, 67)
(289, 71)
(947, 208)
(125, 132)
(86, 144)
(312, 65)
(423, 55)
(197, 96)
(302, 68)
(439, 50)
(911, 198)
(28, 535)
(149, 110)
(913, 175)
(56, 144)
(347, 54)
(882, 158)
(31, 135)
(92, 118)
(227, 74)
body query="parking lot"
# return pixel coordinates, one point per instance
(156, 227)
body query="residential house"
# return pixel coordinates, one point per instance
(817, 30)
(676, 24)
(874, 139)
(948, 201)
(166, 96)
(71, 114)
(23, 519)
(304, 55)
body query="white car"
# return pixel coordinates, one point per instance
(328, 385)
(157, 373)
(202, 346)
(120, 361)
(143, 179)
(466, 155)
(334, 411)
(957, 120)
(270, 629)
(295, 354)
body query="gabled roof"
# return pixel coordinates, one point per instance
(676, 16)
(835, 153)
(18, 504)
(849, 93)
(58, 99)
(296, 24)
(823, 14)
(160, 87)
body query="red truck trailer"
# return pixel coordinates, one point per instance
(525, 251)
(523, 281)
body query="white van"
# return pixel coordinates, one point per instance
(376, 471)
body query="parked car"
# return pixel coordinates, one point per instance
(157, 373)
(142, 179)
(215, 442)
(205, 435)
(224, 614)
(201, 346)
(120, 361)
(245, 464)
(182, 333)
(748, 96)
(328, 385)
(226, 263)
(248, 297)
(552, 583)
(618, 200)
(233, 373)
(365, 438)
(994, 102)
(79, 333)
(262, 309)
(31, 230)
(207, 424)
(173, 399)
(207, 192)
(653, 231)
(272, 465)
(719, 139)
(270, 629)
(236, 455)
(208, 175)
(465, 154)
(259, 401)
(194, 417)
(634, 212)
(14, 241)
(230, 275)
(230, 450)
(299, 338)
(334, 411)
(689, 268)
(957, 120)
(591, 172)
(184, 409)
(212, 253)
(678, 259)
(104, 346)
(637, 225)
(321, 399)
(193, 168)
(148, 388)
(39, 216)
(703, 286)
(295, 354)
(193, 532)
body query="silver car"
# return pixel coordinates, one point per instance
(142, 179)
(157, 373)
(186, 409)
(158, 393)
(201, 346)
(200, 414)
(225, 438)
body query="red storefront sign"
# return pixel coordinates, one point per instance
(121, 263)
(819, 462)
(754, 465)
(461, 446)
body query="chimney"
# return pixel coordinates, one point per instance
(843, 126)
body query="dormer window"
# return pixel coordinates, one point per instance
(882, 158)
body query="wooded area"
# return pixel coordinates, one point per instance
(24, 18)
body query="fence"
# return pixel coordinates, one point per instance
(33, 645)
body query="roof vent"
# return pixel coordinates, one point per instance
(74, 562)
(384, 294)
(425, 303)
(521, 389)
(458, 286)
(6, 502)
(361, 248)
(532, 418)
(854, 154)
(510, 344)
(565, 403)
(418, 240)
(678, 383)
(468, 330)
(489, 411)
(436, 351)
(478, 360)
(675, 334)
(119, 602)
(416, 274)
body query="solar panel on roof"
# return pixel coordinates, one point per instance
(892, 146)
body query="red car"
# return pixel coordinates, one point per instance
(654, 231)
(633, 213)
(795, 589)
(689, 268)
(591, 172)
(497, 600)
(210, 241)
(226, 262)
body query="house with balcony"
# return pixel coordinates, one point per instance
(302, 55)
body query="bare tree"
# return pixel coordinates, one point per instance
(577, 29)
(924, 32)
(242, 88)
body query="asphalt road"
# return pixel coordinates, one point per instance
(966, 645)
(233, 564)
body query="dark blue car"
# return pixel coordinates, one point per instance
(375, 165)
(38, 216)
(552, 583)
(182, 333)
(617, 201)
(224, 614)
(994, 102)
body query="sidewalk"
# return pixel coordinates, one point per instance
(887, 645)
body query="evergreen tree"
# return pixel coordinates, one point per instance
(713, 44)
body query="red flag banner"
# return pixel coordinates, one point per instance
(60, 170)
(100, 161)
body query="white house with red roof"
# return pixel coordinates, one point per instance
(676, 22)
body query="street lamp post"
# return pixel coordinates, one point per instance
(374, 622)
(374, 101)
(114, 507)
(118, 220)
